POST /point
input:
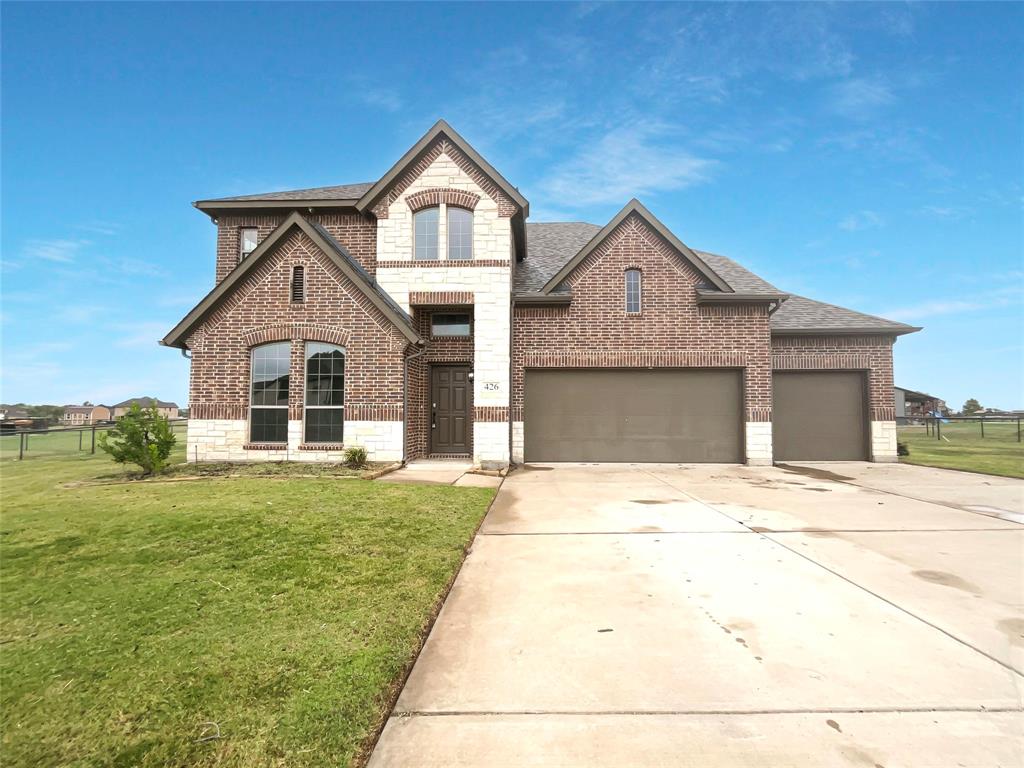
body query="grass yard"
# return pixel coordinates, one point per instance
(998, 453)
(284, 610)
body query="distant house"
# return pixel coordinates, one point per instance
(170, 410)
(12, 412)
(914, 405)
(82, 415)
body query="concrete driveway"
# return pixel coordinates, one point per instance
(702, 615)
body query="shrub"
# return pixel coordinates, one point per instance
(355, 457)
(141, 437)
(902, 449)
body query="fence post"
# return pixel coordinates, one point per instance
(80, 439)
(938, 430)
(982, 420)
(21, 446)
(1018, 429)
(93, 450)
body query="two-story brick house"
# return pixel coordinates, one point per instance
(421, 315)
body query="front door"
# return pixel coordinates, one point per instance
(449, 409)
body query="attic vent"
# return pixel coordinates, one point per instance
(298, 284)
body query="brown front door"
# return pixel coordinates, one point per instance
(449, 409)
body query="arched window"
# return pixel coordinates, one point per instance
(268, 400)
(633, 302)
(460, 233)
(425, 233)
(325, 393)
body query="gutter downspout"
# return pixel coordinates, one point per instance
(405, 403)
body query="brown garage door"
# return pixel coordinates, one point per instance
(633, 415)
(819, 416)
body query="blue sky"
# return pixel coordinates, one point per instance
(868, 155)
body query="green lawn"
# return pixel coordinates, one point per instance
(282, 609)
(998, 453)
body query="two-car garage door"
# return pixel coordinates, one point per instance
(667, 415)
(691, 415)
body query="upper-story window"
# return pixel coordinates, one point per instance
(633, 291)
(425, 232)
(460, 233)
(247, 241)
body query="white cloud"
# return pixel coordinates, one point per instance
(859, 98)
(385, 98)
(953, 212)
(1003, 297)
(144, 335)
(629, 161)
(57, 250)
(861, 220)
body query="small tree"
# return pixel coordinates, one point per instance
(140, 437)
(971, 407)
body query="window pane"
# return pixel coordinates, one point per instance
(449, 324)
(270, 365)
(325, 425)
(425, 226)
(460, 233)
(269, 425)
(325, 374)
(632, 290)
(249, 237)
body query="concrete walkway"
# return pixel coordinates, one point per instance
(441, 472)
(614, 615)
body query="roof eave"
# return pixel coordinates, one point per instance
(717, 297)
(846, 331)
(533, 299)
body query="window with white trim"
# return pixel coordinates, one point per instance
(460, 233)
(325, 393)
(425, 226)
(268, 401)
(633, 291)
(248, 239)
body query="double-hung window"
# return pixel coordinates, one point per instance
(425, 224)
(247, 241)
(460, 233)
(268, 403)
(325, 393)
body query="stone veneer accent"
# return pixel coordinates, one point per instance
(460, 198)
(218, 440)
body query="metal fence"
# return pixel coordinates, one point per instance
(998, 427)
(51, 442)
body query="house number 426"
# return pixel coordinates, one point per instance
(491, 386)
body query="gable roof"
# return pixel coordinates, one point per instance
(325, 242)
(800, 315)
(439, 129)
(913, 394)
(144, 402)
(635, 206)
(339, 193)
(554, 245)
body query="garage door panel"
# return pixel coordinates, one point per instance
(819, 416)
(631, 415)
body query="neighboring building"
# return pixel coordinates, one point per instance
(80, 415)
(422, 315)
(12, 412)
(169, 410)
(911, 404)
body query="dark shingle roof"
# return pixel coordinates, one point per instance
(340, 192)
(799, 313)
(551, 245)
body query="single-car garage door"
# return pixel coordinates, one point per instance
(634, 415)
(819, 416)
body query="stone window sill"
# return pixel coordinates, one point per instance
(265, 447)
(321, 447)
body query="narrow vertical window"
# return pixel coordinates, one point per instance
(268, 403)
(425, 234)
(247, 241)
(298, 284)
(632, 290)
(460, 233)
(325, 393)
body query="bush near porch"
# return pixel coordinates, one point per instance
(229, 621)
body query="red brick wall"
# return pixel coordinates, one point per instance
(440, 350)
(835, 353)
(671, 330)
(259, 310)
(356, 232)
